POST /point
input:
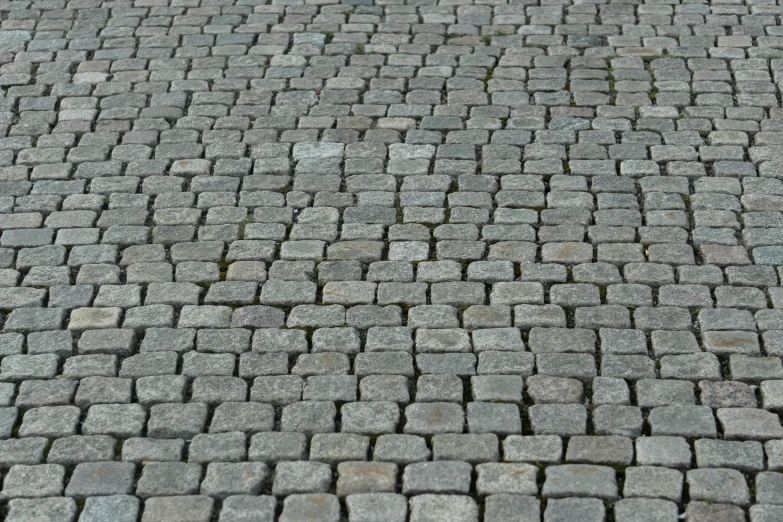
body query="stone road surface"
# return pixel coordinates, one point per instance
(388, 260)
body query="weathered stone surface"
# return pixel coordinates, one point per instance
(391, 261)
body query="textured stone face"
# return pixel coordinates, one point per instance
(391, 260)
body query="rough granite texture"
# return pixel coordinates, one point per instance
(391, 260)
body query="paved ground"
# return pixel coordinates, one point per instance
(435, 261)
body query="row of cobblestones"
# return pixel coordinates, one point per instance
(391, 260)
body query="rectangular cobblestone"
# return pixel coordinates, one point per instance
(317, 259)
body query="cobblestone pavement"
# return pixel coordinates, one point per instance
(377, 261)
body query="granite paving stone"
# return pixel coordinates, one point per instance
(391, 260)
